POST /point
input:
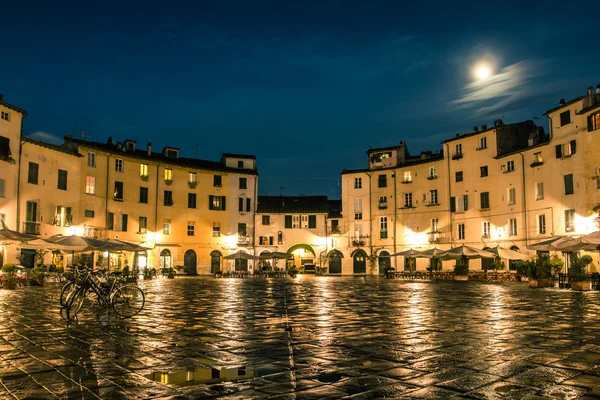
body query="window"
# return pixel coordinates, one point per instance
(4, 148)
(382, 181)
(461, 231)
(304, 219)
(357, 205)
(433, 196)
(512, 196)
(432, 172)
(265, 240)
(295, 221)
(119, 165)
(459, 176)
(89, 213)
(192, 177)
(217, 181)
(143, 195)
(118, 193)
(288, 222)
(63, 216)
(191, 200)
(357, 215)
(539, 191)
(2, 189)
(216, 229)
(32, 175)
(266, 220)
(485, 229)
(62, 179)
(512, 227)
(594, 122)
(382, 202)
(243, 183)
(167, 228)
(482, 143)
(110, 221)
(383, 225)
(191, 228)
(124, 222)
(569, 220)
(565, 118)
(168, 174)
(510, 165)
(458, 149)
(485, 199)
(483, 171)
(242, 229)
(541, 220)
(279, 237)
(566, 150)
(244, 201)
(559, 150)
(143, 170)
(408, 200)
(90, 185)
(435, 225)
(459, 204)
(407, 176)
(569, 184)
(537, 158)
(240, 164)
(143, 223)
(217, 203)
(91, 161)
(357, 183)
(5, 116)
(31, 211)
(312, 222)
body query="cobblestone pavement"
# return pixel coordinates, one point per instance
(307, 338)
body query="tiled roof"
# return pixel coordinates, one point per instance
(52, 147)
(568, 103)
(5, 104)
(160, 158)
(432, 158)
(292, 205)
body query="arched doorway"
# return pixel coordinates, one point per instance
(189, 261)
(241, 264)
(302, 252)
(215, 261)
(385, 262)
(487, 263)
(359, 261)
(335, 262)
(512, 264)
(165, 259)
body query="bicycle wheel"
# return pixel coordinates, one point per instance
(64, 294)
(75, 302)
(128, 300)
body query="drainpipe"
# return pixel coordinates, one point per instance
(106, 197)
(254, 206)
(156, 197)
(524, 199)
(18, 220)
(449, 191)
(395, 215)
(370, 217)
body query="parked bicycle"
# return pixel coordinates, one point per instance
(111, 290)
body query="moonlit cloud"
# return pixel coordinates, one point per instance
(510, 85)
(45, 137)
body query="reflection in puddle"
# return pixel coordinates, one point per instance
(186, 376)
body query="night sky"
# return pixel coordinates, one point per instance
(306, 86)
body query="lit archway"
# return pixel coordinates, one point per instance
(165, 259)
(189, 261)
(384, 261)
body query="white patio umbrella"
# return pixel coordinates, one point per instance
(546, 244)
(240, 255)
(407, 253)
(466, 252)
(508, 254)
(432, 253)
(592, 238)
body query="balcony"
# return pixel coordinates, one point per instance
(436, 237)
(536, 164)
(431, 177)
(93, 232)
(359, 240)
(457, 156)
(31, 227)
(334, 230)
(243, 240)
(406, 181)
(383, 206)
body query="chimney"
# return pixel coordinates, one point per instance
(475, 129)
(561, 102)
(149, 149)
(484, 127)
(597, 91)
(590, 94)
(1, 95)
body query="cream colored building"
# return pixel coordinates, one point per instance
(11, 126)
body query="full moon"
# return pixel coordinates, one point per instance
(482, 71)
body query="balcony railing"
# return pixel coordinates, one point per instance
(31, 227)
(457, 156)
(93, 232)
(383, 205)
(436, 237)
(243, 240)
(336, 230)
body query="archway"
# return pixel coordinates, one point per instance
(384, 261)
(165, 259)
(335, 262)
(512, 264)
(189, 261)
(302, 252)
(215, 261)
(359, 261)
(487, 263)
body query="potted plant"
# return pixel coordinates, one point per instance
(218, 273)
(373, 263)
(389, 271)
(461, 269)
(498, 264)
(292, 271)
(9, 271)
(522, 271)
(144, 178)
(170, 273)
(580, 280)
(192, 185)
(147, 272)
(556, 264)
(539, 272)
(38, 275)
(178, 268)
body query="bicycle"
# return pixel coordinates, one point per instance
(71, 277)
(126, 299)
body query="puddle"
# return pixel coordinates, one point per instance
(330, 378)
(508, 388)
(187, 376)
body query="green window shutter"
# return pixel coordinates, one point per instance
(240, 204)
(573, 146)
(288, 222)
(558, 151)
(590, 123)
(569, 184)
(312, 221)
(270, 240)
(452, 204)
(223, 203)
(124, 223)
(110, 221)
(466, 200)
(69, 216)
(210, 202)
(248, 205)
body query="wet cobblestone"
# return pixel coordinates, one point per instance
(308, 338)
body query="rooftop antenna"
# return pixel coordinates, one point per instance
(83, 133)
(196, 149)
(281, 189)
